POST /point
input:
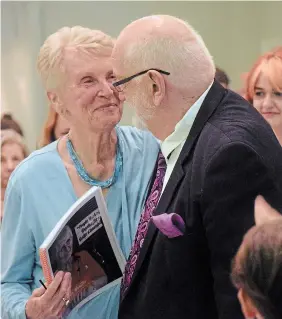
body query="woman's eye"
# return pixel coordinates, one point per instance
(259, 93)
(279, 94)
(112, 78)
(87, 80)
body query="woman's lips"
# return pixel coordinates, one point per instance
(269, 114)
(106, 106)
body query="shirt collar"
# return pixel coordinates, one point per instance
(183, 127)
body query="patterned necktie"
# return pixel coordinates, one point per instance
(150, 205)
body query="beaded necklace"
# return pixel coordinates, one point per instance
(85, 176)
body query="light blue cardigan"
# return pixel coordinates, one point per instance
(40, 192)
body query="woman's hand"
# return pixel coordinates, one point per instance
(50, 303)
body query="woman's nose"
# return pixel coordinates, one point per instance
(106, 89)
(267, 101)
(11, 165)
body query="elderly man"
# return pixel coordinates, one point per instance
(219, 154)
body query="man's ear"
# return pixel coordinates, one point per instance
(158, 86)
(264, 213)
(247, 306)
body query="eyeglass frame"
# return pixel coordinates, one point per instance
(126, 80)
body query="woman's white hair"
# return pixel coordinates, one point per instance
(51, 54)
(187, 59)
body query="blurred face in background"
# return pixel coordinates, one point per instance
(263, 88)
(11, 155)
(268, 101)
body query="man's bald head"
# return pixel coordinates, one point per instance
(156, 26)
(167, 43)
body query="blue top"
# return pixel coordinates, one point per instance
(40, 192)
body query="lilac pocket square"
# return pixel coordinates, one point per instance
(171, 225)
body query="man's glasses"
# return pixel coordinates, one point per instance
(119, 85)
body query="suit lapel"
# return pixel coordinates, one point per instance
(212, 100)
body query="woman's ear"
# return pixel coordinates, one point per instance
(264, 213)
(54, 101)
(247, 306)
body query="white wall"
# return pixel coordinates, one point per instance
(235, 32)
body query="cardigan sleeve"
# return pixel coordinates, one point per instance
(17, 254)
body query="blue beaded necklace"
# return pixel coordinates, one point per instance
(85, 176)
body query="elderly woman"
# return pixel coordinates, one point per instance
(264, 89)
(13, 151)
(75, 67)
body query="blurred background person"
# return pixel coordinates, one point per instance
(54, 128)
(13, 151)
(264, 89)
(7, 123)
(222, 77)
(257, 267)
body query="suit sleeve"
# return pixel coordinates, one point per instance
(233, 178)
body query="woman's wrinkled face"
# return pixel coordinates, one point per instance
(86, 97)
(11, 155)
(268, 101)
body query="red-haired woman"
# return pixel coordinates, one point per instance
(264, 89)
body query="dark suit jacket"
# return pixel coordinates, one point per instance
(230, 156)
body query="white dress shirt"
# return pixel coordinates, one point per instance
(174, 143)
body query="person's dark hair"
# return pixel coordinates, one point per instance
(221, 76)
(257, 268)
(8, 123)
